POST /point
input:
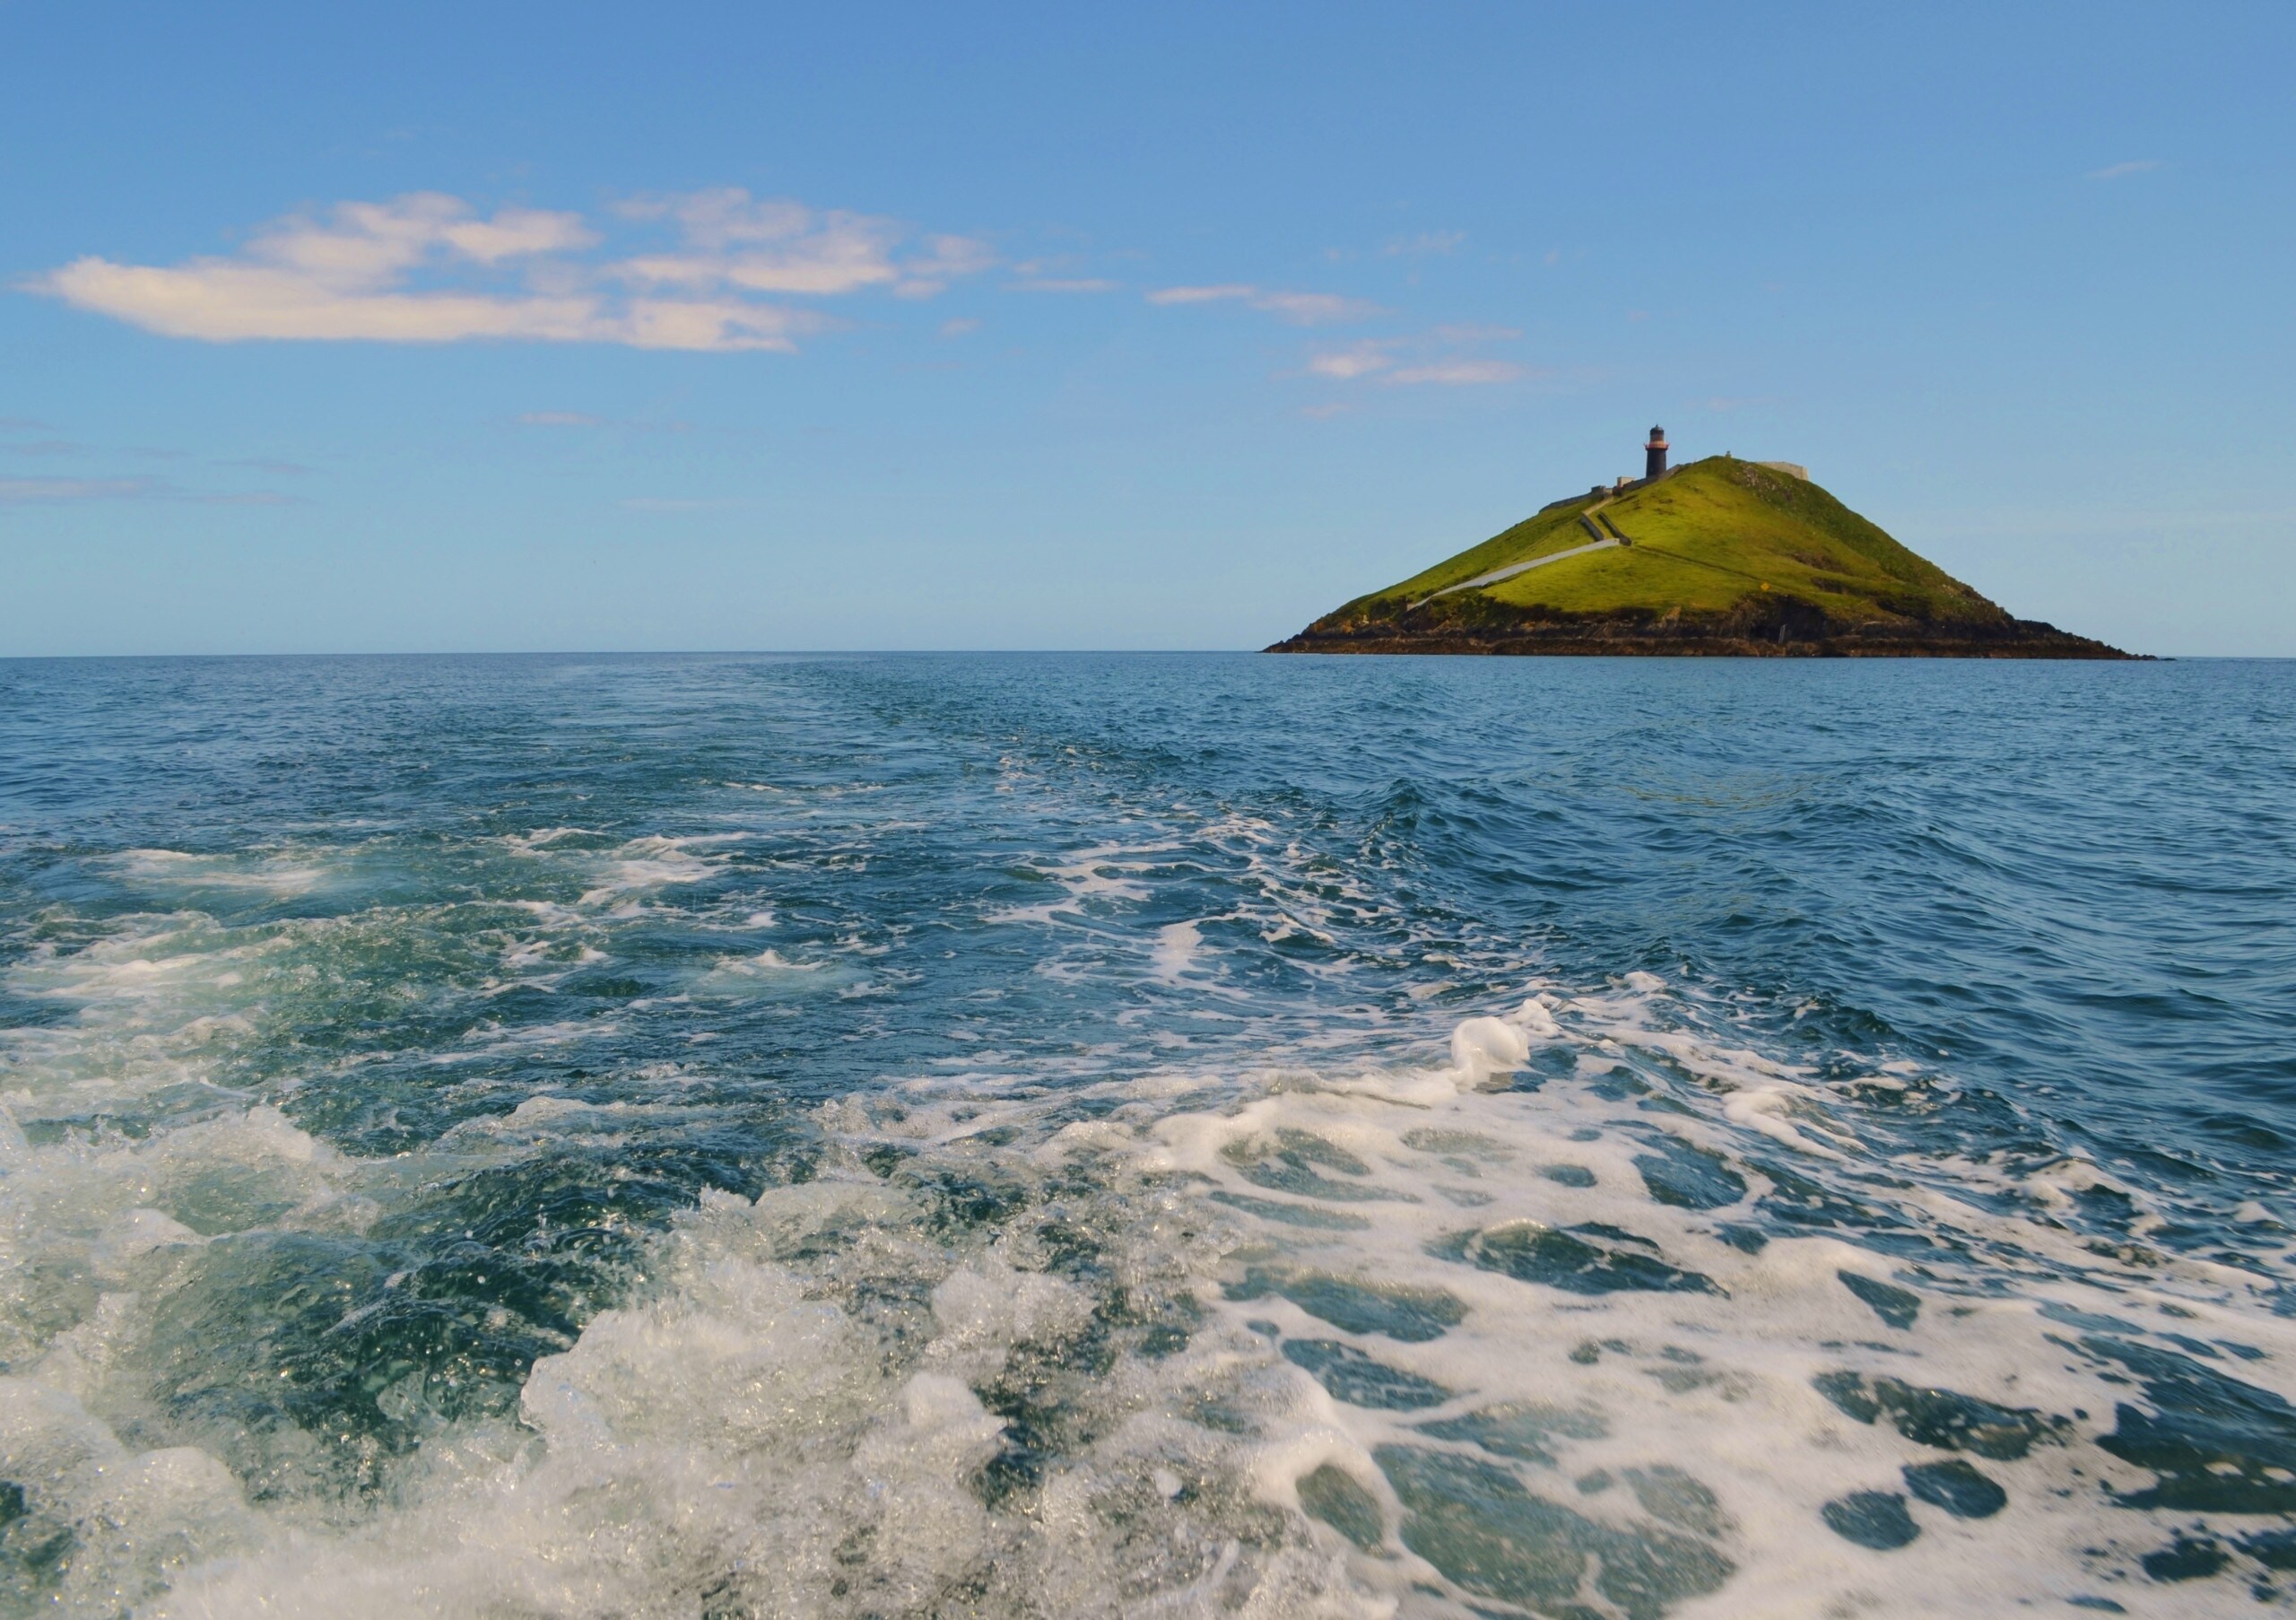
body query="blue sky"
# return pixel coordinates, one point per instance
(428, 327)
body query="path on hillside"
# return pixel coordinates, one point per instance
(1586, 519)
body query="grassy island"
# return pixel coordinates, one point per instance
(1721, 556)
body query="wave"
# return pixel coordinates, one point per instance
(1603, 1316)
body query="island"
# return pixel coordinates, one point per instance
(1718, 557)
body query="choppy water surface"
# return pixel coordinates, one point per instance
(1097, 1136)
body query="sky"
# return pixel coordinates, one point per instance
(420, 328)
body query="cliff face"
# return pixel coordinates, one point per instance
(1723, 557)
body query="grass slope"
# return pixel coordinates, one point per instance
(1724, 556)
(1715, 532)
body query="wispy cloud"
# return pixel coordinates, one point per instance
(1202, 295)
(1358, 359)
(672, 503)
(963, 326)
(427, 268)
(1066, 283)
(559, 419)
(24, 425)
(46, 447)
(50, 491)
(1302, 309)
(1425, 243)
(240, 497)
(1459, 373)
(585, 421)
(25, 491)
(2121, 171)
(1315, 309)
(947, 259)
(1423, 360)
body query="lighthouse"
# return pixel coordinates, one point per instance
(1653, 454)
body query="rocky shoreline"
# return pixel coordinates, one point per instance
(1778, 627)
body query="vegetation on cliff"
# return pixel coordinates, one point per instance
(1722, 555)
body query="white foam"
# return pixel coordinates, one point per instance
(277, 874)
(792, 1397)
(1178, 946)
(1100, 876)
(769, 975)
(739, 1439)
(1717, 1384)
(645, 864)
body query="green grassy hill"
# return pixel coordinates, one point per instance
(1721, 555)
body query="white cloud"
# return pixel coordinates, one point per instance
(734, 240)
(1458, 373)
(560, 419)
(726, 217)
(1434, 358)
(225, 303)
(1315, 309)
(426, 268)
(515, 233)
(1302, 309)
(2121, 171)
(959, 329)
(711, 323)
(1066, 284)
(1346, 364)
(1200, 295)
(946, 258)
(845, 254)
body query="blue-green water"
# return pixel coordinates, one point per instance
(1079, 1135)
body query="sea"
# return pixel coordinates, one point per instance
(1150, 1135)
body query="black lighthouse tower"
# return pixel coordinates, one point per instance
(1653, 454)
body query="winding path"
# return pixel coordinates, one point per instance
(1601, 543)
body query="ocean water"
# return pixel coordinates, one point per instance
(1095, 1135)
